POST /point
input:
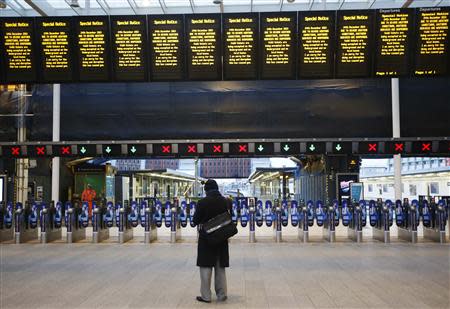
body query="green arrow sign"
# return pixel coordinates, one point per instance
(338, 147)
(286, 148)
(312, 147)
(83, 150)
(108, 149)
(133, 149)
(260, 148)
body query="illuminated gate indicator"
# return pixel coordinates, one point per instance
(243, 148)
(15, 151)
(65, 150)
(217, 148)
(426, 146)
(192, 149)
(40, 151)
(166, 149)
(373, 147)
(399, 147)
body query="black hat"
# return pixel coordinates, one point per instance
(211, 185)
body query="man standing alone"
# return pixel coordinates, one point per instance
(212, 256)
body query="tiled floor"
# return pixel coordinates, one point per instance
(262, 275)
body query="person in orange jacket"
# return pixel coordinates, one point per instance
(89, 195)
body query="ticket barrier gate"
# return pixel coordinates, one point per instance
(25, 222)
(331, 221)
(277, 221)
(408, 231)
(252, 219)
(124, 224)
(51, 220)
(73, 218)
(306, 219)
(384, 219)
(6, 221)
(175, 228)
(100, 230)
(147, 210)
(354, 231)
(435, 229)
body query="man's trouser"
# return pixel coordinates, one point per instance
(220, 282)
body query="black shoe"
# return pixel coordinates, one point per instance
(224, 298)
(200, 299)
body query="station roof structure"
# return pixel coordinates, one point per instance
(164, 174)
(269, 173)
(141, 7)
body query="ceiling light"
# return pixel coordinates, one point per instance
(217, 1)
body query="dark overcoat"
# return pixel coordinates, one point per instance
(207, 208)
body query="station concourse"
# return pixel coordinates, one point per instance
(323, 123)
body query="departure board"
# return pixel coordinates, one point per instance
(432, 39)
(129, 57)
(393, 36)
(354, 48)
(240, 40)
(203, 38)
(17, 50)
(166, 34)
(316, 32)
(278, 45)
(92, 43)
(54, 36)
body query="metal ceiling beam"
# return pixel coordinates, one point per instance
(281, 5)
(104, 6)
(251, 5)
(438, 2)
(42, 7)
(371, 3)
(311, 3)
(132, 5)
(407, 3)
(162, 4)
(191, 2)
(73, 9)
(341, 3)
(16, 7)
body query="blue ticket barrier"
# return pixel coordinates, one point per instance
(399, 214)
(259, 213)
(75, 232)
(319, 213)
(268, 213)
(234, 212)
(244, 213)
(6, 221)
(100, 229)
(167, 214)
(252, 220)
(329, 227)
(346, 213)
(175, 228)
(117, 207)
(133, 216)
(25, 230)
(437, 228)
(355, 226)
(409, 230)
(295, 216)
(158, 216)
(425, 213)
(83, 217)
(108, 216)
(381, 230)
(183, 214)
(311, 214)
(284, 213)
(303, 227)
(373, 214)
(278, 221)
(125, 228)
(364, 215)
(50, 221)
(192, 208)
(147, 209)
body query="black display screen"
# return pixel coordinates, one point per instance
(203, 39)
(17, 48)
(316, 32)
(55, 41)
(92, 44)
(432, 41)
(354, 43)
(129, 43)
(166, 35)
(277, 44)
(240, 41)
(393, 40)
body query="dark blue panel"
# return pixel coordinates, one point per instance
(245, 109)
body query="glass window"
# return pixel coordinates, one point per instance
(434, 188)
(412, 190)
(370, 188)
(385, 188)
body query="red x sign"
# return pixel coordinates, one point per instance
(399, 147)
(426, 146)
(40, 151)
(15, 151)
(192, 148)
(373, 147)
(243, 148)
(217, 148)
(166, 149)
(65, 150)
